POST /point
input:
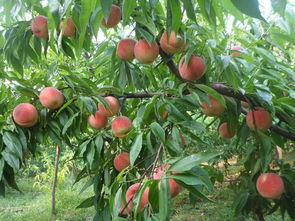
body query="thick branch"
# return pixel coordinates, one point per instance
(57, 152)
(228, 91)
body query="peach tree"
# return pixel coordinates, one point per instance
(132, 87)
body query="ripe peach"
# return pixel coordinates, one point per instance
(51, 98)
(174, 187)
(123, 211)
(97, 121)
(182, 139)
(172, 45)
(69, 28)
(39, 26)
(164, 115)
(121, 126)
(25, 115)
(112, 109)
(131, 192)
(270, 185)
(125, 49)
(194, 70)
(114, 17)
(121, 161)
(237, 48)
(225, 132)
(263, 119)
(146, 53)
(214, 109)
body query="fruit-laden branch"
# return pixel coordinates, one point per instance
(227, 91)
(278, 130)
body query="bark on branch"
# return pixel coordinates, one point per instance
(57, 152)
(228, 91)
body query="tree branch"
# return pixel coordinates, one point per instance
(228, 91)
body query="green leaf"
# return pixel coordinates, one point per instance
(279, 6)
(158, 131)
(2, 188)
(11, 159)
(164, 198)
(240, 202)
(189, 162)
(116, 202)
(84, 16)
(188, 179)
(249, 7)
(195, 190)
(1, 167)
(189, 8)
(192, 125)
(128, 7)
(86, 203)
(135, 148)
(16, 64)
(13, 144)
(120, 219)
(228, 5)
(9, 177)
(90, 153)
(137, 199)
(69, 123)
(207, 10)
(106, 8)
(176, 14)
(265, 54)
(212, 92)
(99, 144)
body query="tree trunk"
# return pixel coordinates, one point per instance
(57, 152)
(259, 215)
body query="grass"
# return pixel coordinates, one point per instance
(34, 204)
(220, 210)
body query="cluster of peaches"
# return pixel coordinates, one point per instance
(269, 185)
(144, 52)
(121, 162)
(26, 114)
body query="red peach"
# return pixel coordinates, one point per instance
(194, 70)
(25, 115)
(51, 98)
(146, 53)
(225, 132)
(123, 212)
(121, 161)
(174, 187)
(263, 119)
(164, 115)
(125, 49)
(131, 192)
(69, 28)
(236, 48)
(114, 107)
(182, 139)
(98, 121)
(121, 126)
(172, 45)
(270, 185)
(114, 17)
(214, 109)
(39, 26)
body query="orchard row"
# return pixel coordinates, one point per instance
(269, 185)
